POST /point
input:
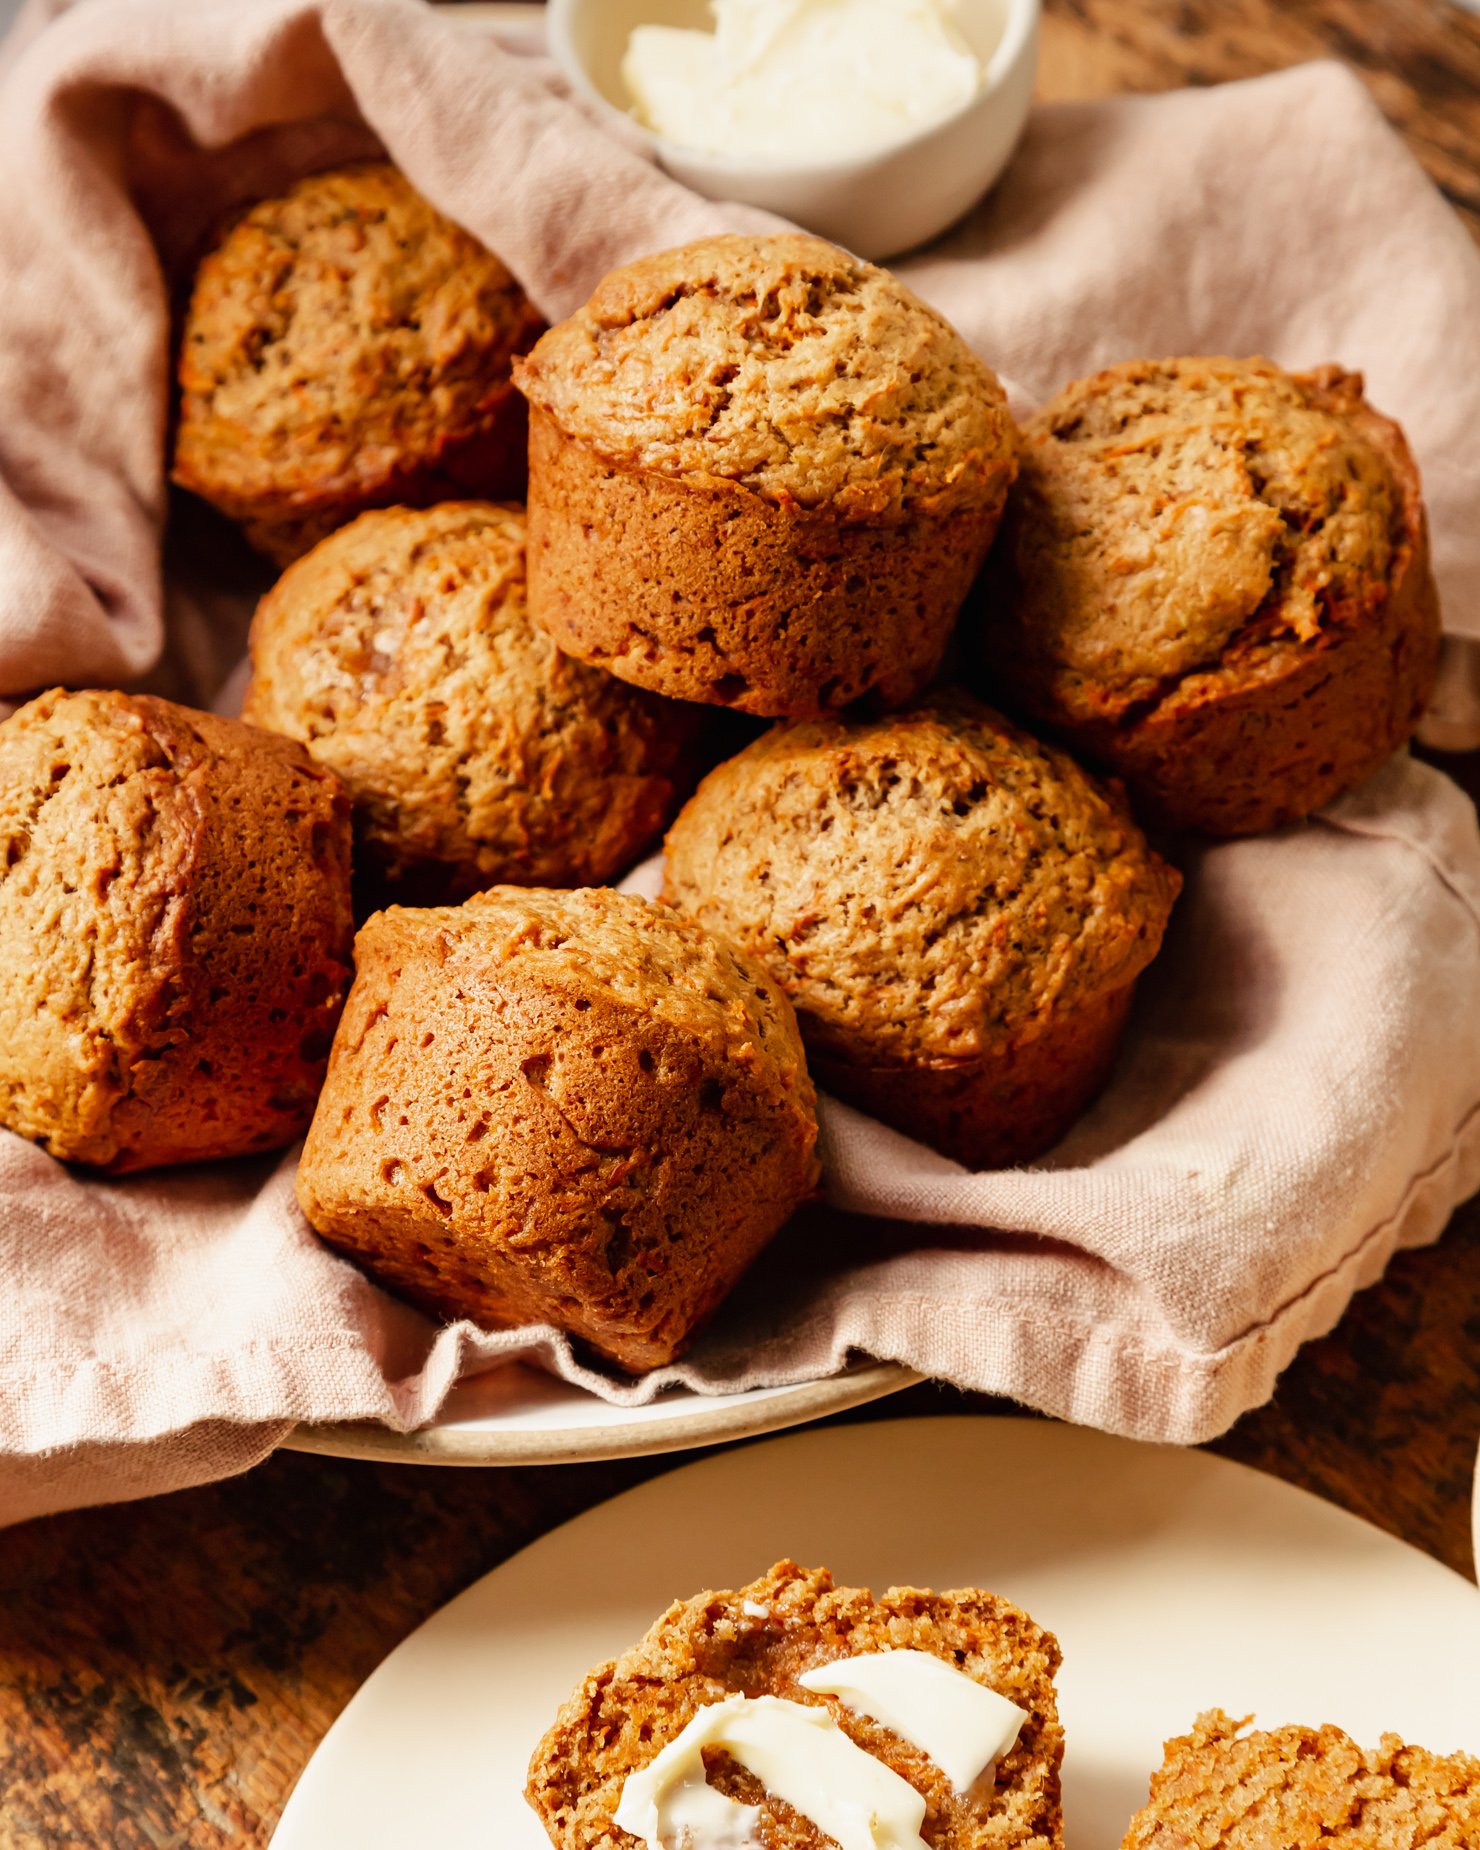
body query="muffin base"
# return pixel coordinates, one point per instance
(706, 591)
(1001, 1110)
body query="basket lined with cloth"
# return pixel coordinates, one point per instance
(1300, 1094)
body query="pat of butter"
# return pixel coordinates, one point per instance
(798, 1753)
(804, 80)
(961, 1724)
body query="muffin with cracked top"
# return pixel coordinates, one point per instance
(174, 930)
(1214, 578)
(346, 346)
(958, 913)
(569, 1108)
(400, 651)
(763, 474)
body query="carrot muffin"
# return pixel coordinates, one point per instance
(762, 1650)
(1308, 1789)
(1214, 578)
(401, 653)
(174, 930)
(762, 474)
(565, 1108)
(958, 913)
(346, 347)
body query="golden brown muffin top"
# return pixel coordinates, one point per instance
(618, 949)
(132, 910)
(782, 364)
(922, 884)
(338, 332)
(756, 1641)
(1163, 505)
(92, 841)
(1306, 1786)
(401, 651)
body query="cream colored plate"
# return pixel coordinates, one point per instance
(1174, 1580)
(522, 1416)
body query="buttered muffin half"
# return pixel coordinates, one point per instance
(763, 474)
(958, 913)
(1213, 577)
(796, 1714)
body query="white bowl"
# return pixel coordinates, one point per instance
(874, 204)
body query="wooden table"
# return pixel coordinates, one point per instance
(166, 1668)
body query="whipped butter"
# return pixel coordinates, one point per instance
(798, 1753)
(963, 1726)
(801, 80)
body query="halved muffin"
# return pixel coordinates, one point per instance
(760, 1642)
(1224, 1787)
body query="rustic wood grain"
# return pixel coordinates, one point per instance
(166, 1668)
(1420, 58)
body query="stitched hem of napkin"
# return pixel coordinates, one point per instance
(1109, 1377)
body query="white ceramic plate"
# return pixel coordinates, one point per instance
(522, 1416)
(1174, 1580)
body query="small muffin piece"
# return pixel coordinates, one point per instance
(346, 347)
(1214, 578)
(400, 651)
(1305, 1789)
(568, 1108)
(958, 913)
(174, 930)
(757, 1641)
(763, 474)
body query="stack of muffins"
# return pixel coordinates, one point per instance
(763, 478)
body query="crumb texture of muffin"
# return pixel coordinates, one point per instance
(1214, 577)
(572, 1108)
(401, 653)
(757, 1641)
(762, 474)
(175, 930)
(957, 912)
(1223, 1788)
(345, 347)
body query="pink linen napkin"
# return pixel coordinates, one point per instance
(1300, 1093)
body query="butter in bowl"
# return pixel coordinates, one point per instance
(876, 123)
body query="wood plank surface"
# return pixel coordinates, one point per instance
(1420, 58)
(166, 1668)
